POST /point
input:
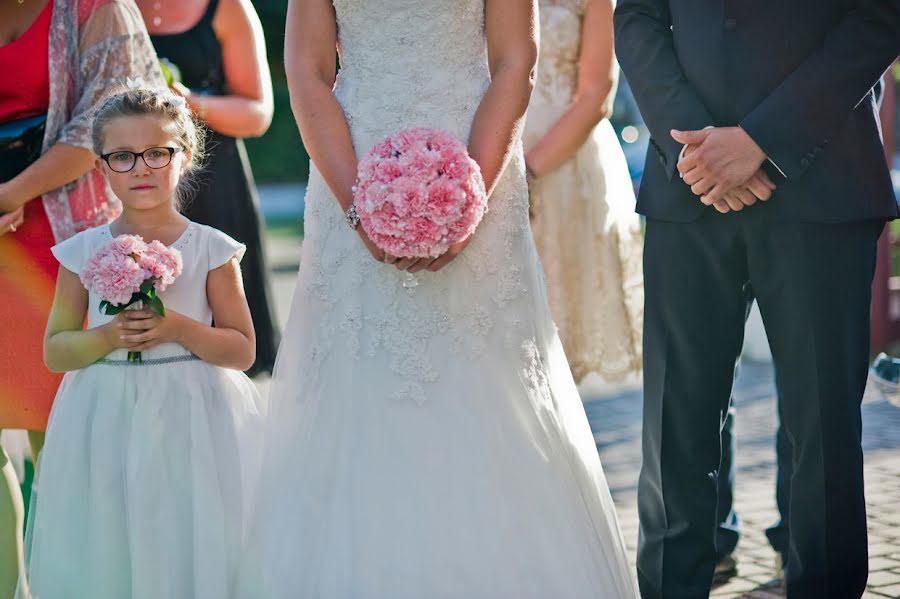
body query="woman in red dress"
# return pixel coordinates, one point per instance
(63, 54)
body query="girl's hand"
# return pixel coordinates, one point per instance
(143, 329)
(114, 332)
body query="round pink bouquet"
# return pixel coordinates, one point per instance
(126, 271)
(419, 192)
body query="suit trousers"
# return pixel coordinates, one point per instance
(813, 285)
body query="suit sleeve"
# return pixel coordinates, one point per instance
(795, 121)
(646, 53)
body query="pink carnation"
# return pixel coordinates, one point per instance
(128, 245)
(119, 268)
(114, 276)
(162, 264)
(419, 192)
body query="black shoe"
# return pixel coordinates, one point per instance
(885, 376)
(726, 569)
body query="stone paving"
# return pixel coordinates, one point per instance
(616, 422)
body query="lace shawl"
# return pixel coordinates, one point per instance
(93, 46)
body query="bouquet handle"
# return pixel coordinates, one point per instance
(134, 357)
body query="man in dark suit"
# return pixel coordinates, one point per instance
(746, 101)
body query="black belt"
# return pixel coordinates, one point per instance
(20, 145)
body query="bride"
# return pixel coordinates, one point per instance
(429, 444)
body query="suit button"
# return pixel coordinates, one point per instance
(730, 24)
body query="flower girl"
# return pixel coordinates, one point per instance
(151, 450)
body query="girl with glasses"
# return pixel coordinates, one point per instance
(147, 468)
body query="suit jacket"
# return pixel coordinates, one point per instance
(796, 75)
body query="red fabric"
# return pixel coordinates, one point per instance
(27, 283)
(27, 92)
(27, 268)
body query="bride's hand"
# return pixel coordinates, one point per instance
(448, 256)
(377, 253)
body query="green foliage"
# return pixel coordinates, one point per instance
(279, 156)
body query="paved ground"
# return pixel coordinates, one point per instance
(616, 422)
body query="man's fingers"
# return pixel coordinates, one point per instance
(714, 195)
(722, 206)
(688, 163)
(734, 203)
(702, 187)
(759, 189)
(689, 137)
(762, 176)
(693, 176)
(744, 196)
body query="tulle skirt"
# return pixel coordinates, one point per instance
(144, 483)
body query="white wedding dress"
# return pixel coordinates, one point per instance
(434, 444)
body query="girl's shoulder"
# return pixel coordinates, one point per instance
(217, 247)
(74, 251)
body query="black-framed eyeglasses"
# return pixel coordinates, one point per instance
(123, 161)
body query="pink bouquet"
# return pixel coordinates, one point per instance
(128, 271)
(419, 192)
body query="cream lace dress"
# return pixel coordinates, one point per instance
(587, 233)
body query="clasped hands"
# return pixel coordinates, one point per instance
(721, 165)
(413, 265)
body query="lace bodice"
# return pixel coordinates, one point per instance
(422, 54)
(557, 74)
(423, 65)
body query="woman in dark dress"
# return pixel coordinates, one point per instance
(216, 52)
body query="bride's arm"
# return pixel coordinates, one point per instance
(512, 37)
(512, 34)
(597, 77)
(309, 53)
